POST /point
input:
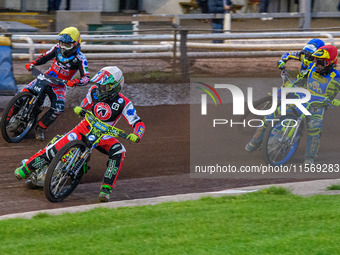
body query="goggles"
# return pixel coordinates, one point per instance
(322, 62)
(66, 45)
(103, 88)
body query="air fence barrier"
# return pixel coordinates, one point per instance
(177, 46)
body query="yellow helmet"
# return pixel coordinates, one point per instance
(69, 41)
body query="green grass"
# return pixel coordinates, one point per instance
(266, 222)
(334, 187)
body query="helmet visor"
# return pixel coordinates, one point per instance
(65, 45)
(321, 53)
(103, 88)
(322, 62)
(65, 38)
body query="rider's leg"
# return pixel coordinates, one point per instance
(57, 98)
(314, 126)
(46, 155)
(117, 155)
(255, 143)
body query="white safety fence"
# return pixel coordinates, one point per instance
(162, 46)
(178, 47)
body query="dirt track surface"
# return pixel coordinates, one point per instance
(158, 166)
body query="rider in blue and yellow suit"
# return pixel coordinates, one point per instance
(304, 56)
(320, 78)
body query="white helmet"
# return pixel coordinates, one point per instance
(109, 80)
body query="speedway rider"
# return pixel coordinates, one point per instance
(321, 79)
(304, 56)
(67, 60)
(109, 105)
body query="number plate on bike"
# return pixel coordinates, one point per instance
(100, 126)
(37, 88)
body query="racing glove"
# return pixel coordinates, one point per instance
(133, 138)
(29, 66)
(71, 83)
(336, 102)
(281, 64)
(79, 111)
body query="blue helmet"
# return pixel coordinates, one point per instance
(313, 45)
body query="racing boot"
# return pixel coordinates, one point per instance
(256, 141)
(308, 161)
(39, 133)
(21, 172)
(104, 194)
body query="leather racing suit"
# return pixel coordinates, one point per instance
(64, 71)
(109, 111)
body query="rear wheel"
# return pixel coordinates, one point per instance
(18, 118)
(65, 171)
(279, 142)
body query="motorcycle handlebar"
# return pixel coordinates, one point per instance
(120, 133)
(36, 72)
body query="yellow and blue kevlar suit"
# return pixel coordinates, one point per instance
(296, 55)
(318, 85)
(324, 85)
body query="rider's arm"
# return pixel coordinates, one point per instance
(87, 102)
(130, 115)
(288, 56)
(82, 66)
(47, 56)
(42, 59)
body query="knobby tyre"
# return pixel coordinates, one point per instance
(18, 105)
(61, 180)
(278, 144)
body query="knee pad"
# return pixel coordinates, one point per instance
(116, 150)
(314, 126)
(60, 108)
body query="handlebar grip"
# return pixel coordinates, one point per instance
(122, 135)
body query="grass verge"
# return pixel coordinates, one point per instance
(334, 187)
(266, 222)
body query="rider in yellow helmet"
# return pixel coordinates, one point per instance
(67, 60)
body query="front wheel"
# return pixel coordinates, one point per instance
(18, 118)
(281, 140)
(65, 171)
(264, 103)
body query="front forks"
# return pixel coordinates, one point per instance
(291, 131)
(77, 166)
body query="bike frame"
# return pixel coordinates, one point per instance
(98, 129)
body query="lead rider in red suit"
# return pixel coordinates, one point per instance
(67, 60)
(109, 105)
